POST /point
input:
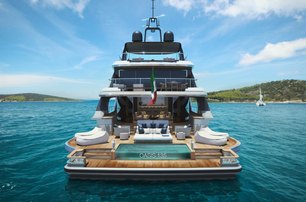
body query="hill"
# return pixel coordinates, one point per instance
(23, 97)
(278, 91)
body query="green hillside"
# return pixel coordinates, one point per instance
(23, 97)
(285, 90)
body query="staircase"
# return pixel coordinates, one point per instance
(98, 153)
(208, 153)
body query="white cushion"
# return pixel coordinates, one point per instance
(147, 130)
(158, 131)
(143, 137)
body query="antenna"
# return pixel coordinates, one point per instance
(152, 8)
(153, 24)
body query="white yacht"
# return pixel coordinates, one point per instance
(260, 102)
(152, 120)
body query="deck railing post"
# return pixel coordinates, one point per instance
(113, 144)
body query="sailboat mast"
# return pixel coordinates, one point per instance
(260, 95)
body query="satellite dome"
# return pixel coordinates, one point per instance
(137, 36)
(168, 36)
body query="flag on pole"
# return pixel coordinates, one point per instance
(153, 90)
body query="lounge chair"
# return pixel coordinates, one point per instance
(214, 133)
(93, 131)
(95, 136)
(206, 138)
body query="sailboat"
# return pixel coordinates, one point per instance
(260, 102)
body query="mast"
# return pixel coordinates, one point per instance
(153, 24)
(260, 95)
(152, 8)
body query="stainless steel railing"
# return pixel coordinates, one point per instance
(171, 84)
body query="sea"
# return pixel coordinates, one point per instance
(32, 156)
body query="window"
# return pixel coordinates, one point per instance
(187, 107)
(112, 105)
(194, 104)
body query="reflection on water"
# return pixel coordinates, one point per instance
(154, 191)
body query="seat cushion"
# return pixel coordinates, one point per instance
(147, 131)
(163, 131)
(141, 130)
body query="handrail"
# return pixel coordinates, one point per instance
(166, 80)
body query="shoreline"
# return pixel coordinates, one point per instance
(43, 101)
(227, 102)
(269, 102)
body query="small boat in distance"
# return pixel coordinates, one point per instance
(260, 102)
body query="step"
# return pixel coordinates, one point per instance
(97, 153)
(99, 157)
(208, 150)
(98, 150)
(207, 157)
(208, 154)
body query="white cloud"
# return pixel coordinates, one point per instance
(255, 8)
(61, 49)
(292, 73)
(34, 1)
(86, 60)
(77, 6)
(21, 80)
(281, 50)
(183, 5)
(186, 40)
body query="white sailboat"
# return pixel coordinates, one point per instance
(260, 102)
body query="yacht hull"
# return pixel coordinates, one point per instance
(153, 173)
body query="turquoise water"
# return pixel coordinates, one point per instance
(273, 156)
(152, 151)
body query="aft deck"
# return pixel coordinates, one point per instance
(231, 143)
(202, 155)
(205, 162)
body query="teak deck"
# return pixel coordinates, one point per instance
(110, 163)
(153, 163)
(230, 143)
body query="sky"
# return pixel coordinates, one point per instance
(67, 47)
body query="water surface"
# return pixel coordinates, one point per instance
(273, 156)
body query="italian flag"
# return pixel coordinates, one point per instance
(153, 90)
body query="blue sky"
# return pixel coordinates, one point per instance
(67, 47)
